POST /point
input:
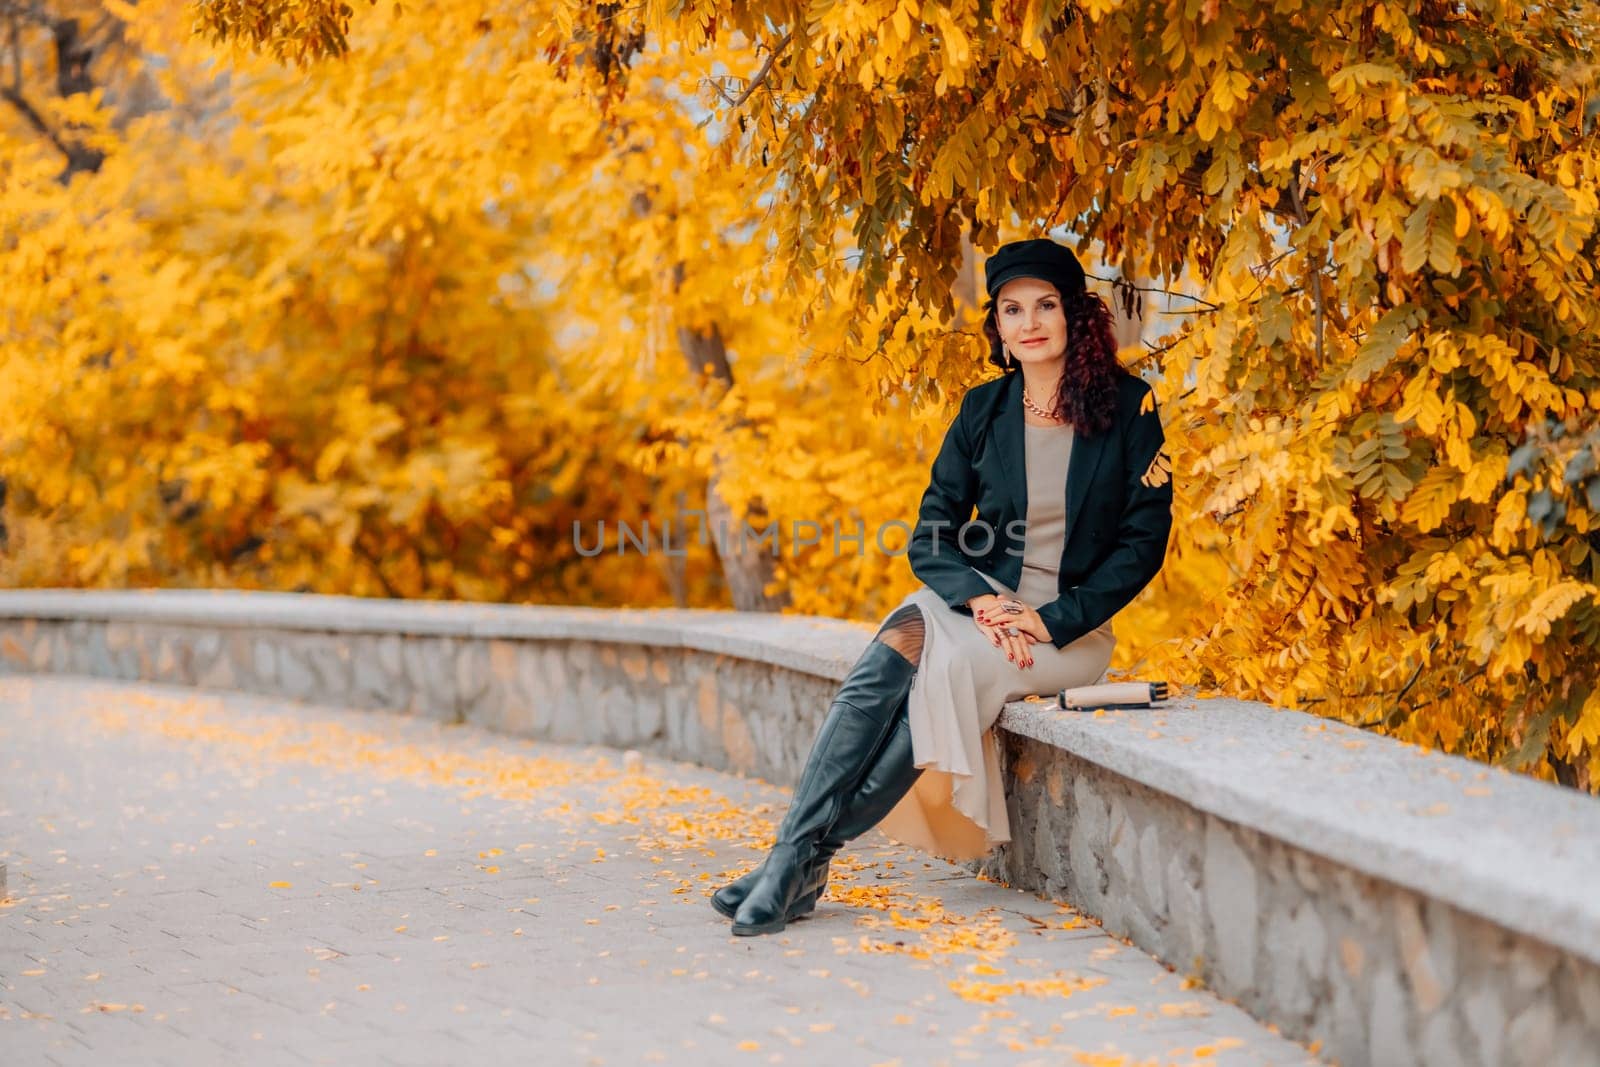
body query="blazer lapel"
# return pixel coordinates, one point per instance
(1008, 436)
(1086, 453)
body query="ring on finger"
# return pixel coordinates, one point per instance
(1010, 631)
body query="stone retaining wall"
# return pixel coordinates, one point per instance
(1400, 907)
(715, 709)
(1378, 973)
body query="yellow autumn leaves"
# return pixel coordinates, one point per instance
(391, 325)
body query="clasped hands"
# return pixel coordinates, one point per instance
(1009, 624)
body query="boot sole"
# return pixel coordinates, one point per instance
(768, 928)
(800, 912)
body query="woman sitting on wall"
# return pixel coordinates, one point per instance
(1062, 456)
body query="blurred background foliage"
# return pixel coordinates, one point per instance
(405, 302)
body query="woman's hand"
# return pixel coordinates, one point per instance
(1010, 625)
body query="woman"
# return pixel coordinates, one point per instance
(1063, 458)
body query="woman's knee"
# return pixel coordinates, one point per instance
(903, 631)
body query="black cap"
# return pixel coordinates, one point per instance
(1038, 257)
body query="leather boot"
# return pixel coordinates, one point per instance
(858, 721)
(891, 776)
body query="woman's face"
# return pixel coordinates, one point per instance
(1031, 320)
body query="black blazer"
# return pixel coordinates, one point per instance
(1119, 507)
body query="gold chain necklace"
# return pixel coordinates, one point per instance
(1027, 402)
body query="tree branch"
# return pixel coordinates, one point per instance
(360, 549)
(15, 98)
(33, 13)
(1296, 199)
(72, 76)
(1422, 662)
(16, 51)
(756, 80)
(1209, 306)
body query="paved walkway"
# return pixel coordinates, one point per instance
(202, 878)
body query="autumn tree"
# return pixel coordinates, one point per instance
(269, 342)
(392, 328)
(1391, 210)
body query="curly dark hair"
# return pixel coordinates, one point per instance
(1088, 392)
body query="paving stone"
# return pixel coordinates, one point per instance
(245, 879)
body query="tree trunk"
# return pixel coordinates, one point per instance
(72, 76)
(745, 568)
(965, 290)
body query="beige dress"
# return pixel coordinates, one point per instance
(957, 809)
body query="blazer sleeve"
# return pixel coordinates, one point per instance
(1142, 534)
(935, 554)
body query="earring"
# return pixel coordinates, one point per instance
(1007, 352)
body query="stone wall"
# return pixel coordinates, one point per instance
(712, 708)
(1378, 973)
(1398, 906)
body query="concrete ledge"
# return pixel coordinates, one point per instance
(1500, 845)
(1397, 905)
(825, 647)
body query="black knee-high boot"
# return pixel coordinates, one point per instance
(858, 721)
(890, 777)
